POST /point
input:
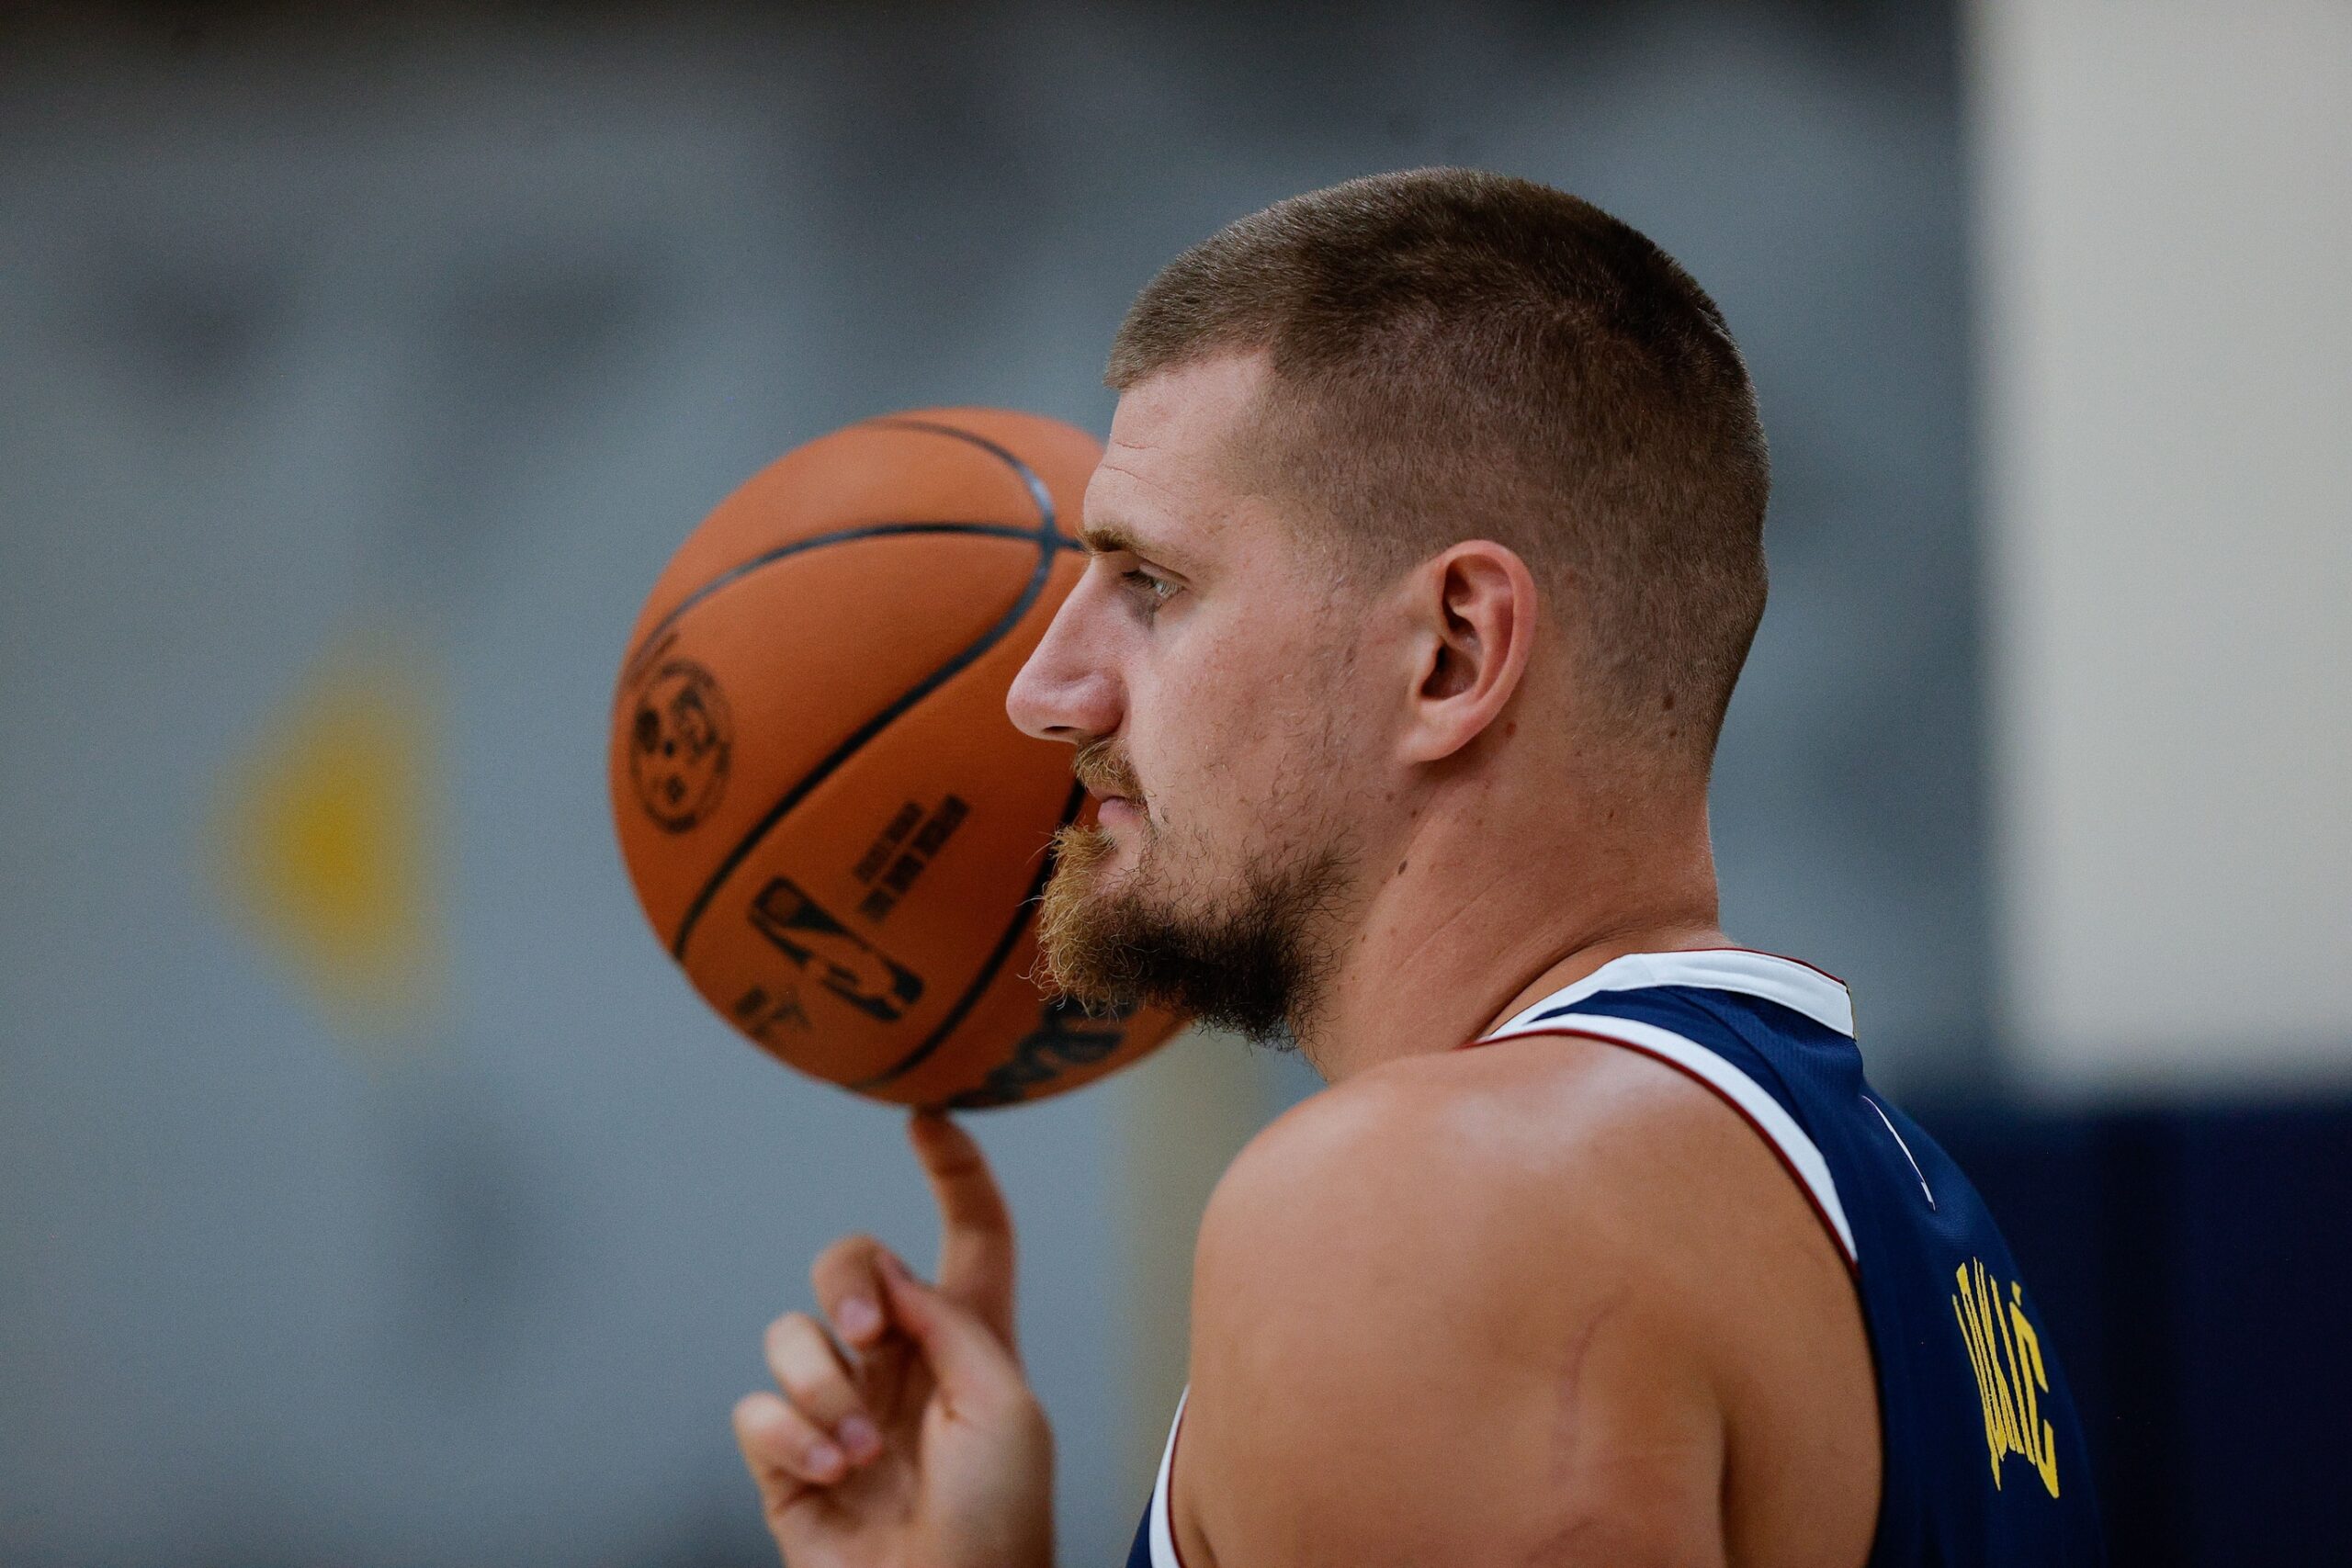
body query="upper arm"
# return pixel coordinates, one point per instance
(1420, 1337)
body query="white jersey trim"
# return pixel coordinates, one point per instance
(1797, 987)
(1163, 1518)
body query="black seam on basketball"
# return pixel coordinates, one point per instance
(986, 976)
(1037, 491)
(856, 741)
(1046, 537)
(634, 665)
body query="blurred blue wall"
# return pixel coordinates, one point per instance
(436, 333)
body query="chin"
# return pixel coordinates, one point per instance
(1089, 861)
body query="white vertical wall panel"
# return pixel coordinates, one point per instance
(2164, 207)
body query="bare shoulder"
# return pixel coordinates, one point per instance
(1573, 1265)
(1570, 1145)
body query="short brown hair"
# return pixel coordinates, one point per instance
(1461, 354)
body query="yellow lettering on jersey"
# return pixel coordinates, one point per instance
(2011, 1377)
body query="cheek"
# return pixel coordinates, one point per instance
(1223, 739)
(1185, 727)
(1235, 707)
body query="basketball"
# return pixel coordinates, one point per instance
(827, 817)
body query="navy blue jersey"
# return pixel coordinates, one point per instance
(1983, 1451)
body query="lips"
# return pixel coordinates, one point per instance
(1105, 775)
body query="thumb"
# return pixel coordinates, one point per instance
(973, 1365)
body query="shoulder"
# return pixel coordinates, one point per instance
(1434, 1318)
(1561, 1143)
(1485, 1304)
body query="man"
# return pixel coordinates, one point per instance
(1426, 551)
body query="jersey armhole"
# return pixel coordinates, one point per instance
(1165, 1553)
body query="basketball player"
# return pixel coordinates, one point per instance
(1425, 553)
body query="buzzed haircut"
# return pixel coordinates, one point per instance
(1458, 354)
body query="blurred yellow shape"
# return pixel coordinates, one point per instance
(322, 834)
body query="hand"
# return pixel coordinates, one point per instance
(914, 1441)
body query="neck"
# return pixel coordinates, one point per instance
(1485, 911)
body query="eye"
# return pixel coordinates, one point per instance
(1151, 588)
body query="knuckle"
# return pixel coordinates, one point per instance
(843, 1270)
(766, 1428)
(801, 1451)
(847, 1250)
(807, 1368)
(816, 1460)
(789, 1333)
(823, 1399)
(807, 1459)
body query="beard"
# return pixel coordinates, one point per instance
(1250, 958)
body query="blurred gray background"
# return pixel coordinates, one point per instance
(415, 343)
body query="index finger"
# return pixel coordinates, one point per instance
(976, 1254)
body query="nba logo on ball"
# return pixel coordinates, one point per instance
(825, 813)
(845, 964)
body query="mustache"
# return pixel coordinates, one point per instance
(1105, 771)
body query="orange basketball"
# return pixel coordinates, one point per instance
(826, 814)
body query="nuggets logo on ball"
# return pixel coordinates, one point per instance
(679, 742)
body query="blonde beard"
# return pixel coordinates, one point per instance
(1253, 961)
(1072, 923)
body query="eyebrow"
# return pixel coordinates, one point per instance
(1109, 537)
(1106, 538)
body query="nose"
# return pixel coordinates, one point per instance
(1068, 690)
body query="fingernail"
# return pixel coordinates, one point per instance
(858, 1317)
(858, 1435)
(823, 1459)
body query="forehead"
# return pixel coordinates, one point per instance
(1168, 476)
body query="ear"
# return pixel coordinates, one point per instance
(1475, 611)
